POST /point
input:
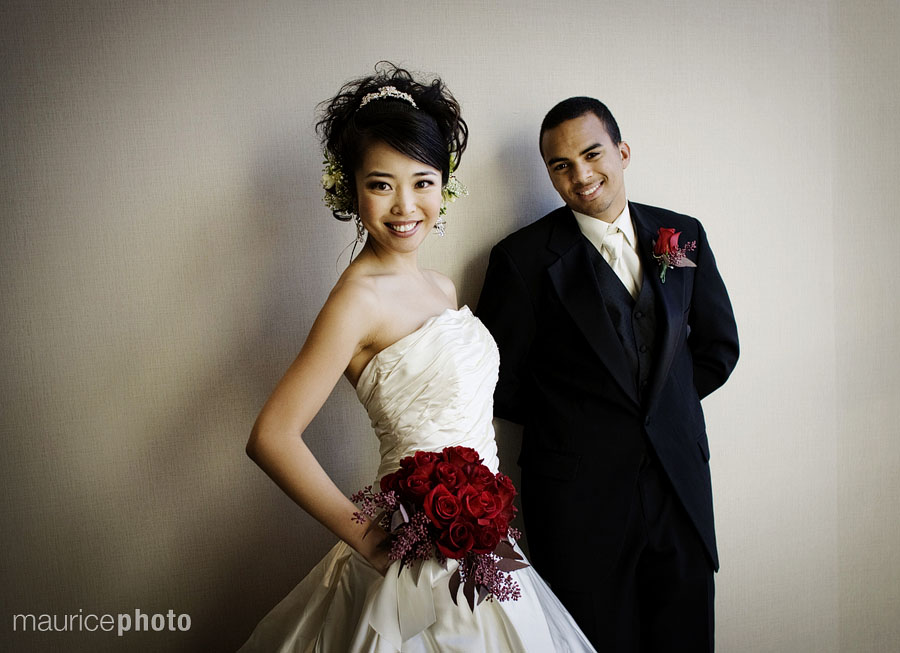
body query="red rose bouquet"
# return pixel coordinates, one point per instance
(449, 505)
(669, 254)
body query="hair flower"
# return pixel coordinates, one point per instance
(453, 189)
(337, 194)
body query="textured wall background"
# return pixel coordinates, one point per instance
(164, 251)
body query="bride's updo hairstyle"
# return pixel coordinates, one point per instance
(429, 131)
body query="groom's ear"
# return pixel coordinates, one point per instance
(625, 153)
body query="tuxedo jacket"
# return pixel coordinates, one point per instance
(565, 376)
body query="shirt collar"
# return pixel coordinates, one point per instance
(596, 229)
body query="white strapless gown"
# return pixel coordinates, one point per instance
(429, 390)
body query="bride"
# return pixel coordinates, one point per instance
(424, 370)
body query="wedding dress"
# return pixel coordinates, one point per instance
(431, 389)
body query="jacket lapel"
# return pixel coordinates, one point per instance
(670, 294)
(575, 281)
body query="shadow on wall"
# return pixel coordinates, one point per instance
(529, 196)
(275, 544)
(177, 518)
(252, 544)
(533, 197)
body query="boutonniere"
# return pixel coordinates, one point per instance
(669, 254)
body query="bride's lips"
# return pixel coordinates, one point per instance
(404, 229)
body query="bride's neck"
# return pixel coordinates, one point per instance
(391, 262)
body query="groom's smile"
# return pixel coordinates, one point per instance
(590, 190)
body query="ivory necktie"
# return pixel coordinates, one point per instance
(612, 250)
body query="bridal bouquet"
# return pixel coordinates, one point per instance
(449, 505)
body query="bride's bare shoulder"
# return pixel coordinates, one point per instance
(363, 296)
(367, 283)
(355, 292)
(444, 283)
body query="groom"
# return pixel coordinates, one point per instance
(613, 323)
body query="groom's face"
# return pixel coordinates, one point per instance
(586, 167)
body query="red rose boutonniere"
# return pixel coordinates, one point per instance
(669, 254)
(448, 505)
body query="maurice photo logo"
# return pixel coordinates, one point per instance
(121, 623)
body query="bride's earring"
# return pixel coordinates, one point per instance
(360, 231)
(440, 226)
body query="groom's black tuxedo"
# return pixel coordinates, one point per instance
(602, 386)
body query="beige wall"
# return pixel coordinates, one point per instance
(164, 252)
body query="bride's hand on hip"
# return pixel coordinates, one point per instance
(375, 548)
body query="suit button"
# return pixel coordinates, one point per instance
(639, 315)
(644, 349)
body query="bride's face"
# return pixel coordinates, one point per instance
(399, 198)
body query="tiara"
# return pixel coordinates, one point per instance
(387, 92)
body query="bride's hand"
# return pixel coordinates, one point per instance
(375, 548)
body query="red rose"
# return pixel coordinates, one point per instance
(482, 505)
(456, 541)
(463, 493)
(480, 477)
(415, 487)
(486, 538)
(441, 506)
(461, 456)
(424, 462)
(501, 521)
(390, 482)
(666, 241)
(505, 489)
(450, 475)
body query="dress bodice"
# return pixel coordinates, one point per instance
(432, 389)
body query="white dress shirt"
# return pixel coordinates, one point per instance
(617, 244)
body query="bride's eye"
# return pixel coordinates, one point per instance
(378, 185)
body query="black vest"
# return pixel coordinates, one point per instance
(634, 320)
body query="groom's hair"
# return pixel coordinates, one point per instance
(575, 107)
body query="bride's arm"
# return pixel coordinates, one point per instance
(339, 333)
